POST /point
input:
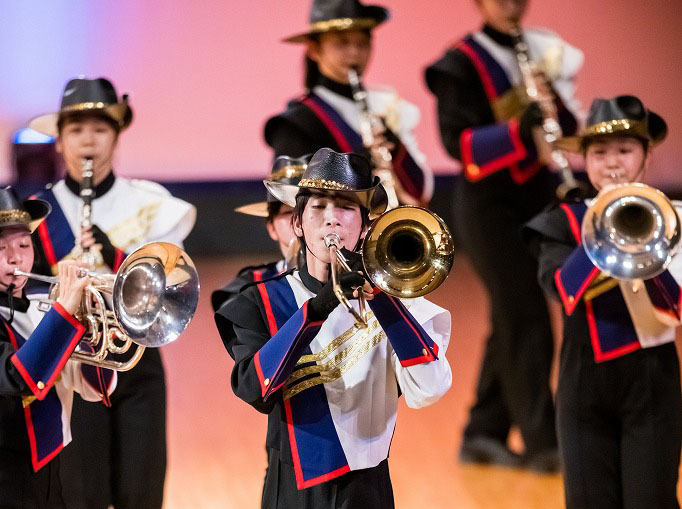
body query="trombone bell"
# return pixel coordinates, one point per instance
(631, 231)
(408, 252)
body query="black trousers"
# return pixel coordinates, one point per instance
(369, 488)
(22, 488)
(118, 454)
(620, 428)
(513, 386)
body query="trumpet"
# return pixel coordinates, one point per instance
(407, 252)
(631, 232)
(569, 189)
(369, 124)
(155, 295)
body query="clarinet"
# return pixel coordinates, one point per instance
(569, 189)
(369, 123)
(86, 195)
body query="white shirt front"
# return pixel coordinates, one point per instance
(362, 374)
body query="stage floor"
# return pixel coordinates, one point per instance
(216, 441)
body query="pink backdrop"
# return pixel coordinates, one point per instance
(204, 76)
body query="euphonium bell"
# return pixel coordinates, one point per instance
(631, 231)
(407, 252)
(154, 294)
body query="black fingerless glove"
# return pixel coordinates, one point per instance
(326, 301)
(531, 117)
(108, 249)
(354, 260)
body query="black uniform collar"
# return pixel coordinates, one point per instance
(499, 37)
(336, 87)
(309, 281)
(20, 303)
(100, 189)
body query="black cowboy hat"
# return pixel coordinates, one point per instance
(14, 212)
(340, 15)
(624, 115)
(97, 96)
(343, 174)
(287, 170)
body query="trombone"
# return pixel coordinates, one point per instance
(407, 252)
(154, 294)
(631, 231)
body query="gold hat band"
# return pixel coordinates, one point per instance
(343, 24)
(287, 172)
(614, 126)
(14, 216)
(324, 184)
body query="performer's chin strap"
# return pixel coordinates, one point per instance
(10, 300)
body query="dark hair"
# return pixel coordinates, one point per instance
(79, 116)
(588, 140)
(273, 209)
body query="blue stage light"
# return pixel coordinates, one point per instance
(28, 136)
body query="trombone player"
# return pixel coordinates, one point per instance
(116, 458)
(37, 379)
(330, 387)
(619, 405)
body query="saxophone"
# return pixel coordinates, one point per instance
(369, 124)
(569, 189)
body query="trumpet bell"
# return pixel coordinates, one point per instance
(408, 252)
(156, 294)
(631, 231)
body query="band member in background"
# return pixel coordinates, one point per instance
(119, 453)
(619, 404)
(338, 39)
(330, 388)
(486, 126)
(37, 379)
(278, 223)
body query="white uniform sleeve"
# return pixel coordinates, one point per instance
(424, 384)
(72, 378)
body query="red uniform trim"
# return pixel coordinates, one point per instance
(433, 351)
(80, 330)
(518, 154)
(341, 140)
(483, 73)
(272, 323)
(403, 178)
(45, 239)
(600, 356)
(570, 305)
(259, 372)
(37, 464)
(300, 482)
(573, 223)
(120, 256)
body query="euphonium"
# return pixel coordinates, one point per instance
(631, 231)
(369, 124)
(570, 188)
(407, 252)
(154, 293)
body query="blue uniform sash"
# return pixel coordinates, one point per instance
(55, 232)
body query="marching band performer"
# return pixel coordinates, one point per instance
(619, 404)
(37, 379)
(119, 456)
(485, 125)
(330, 388)
(278, 223)
(338, 40)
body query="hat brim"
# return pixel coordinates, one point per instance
(121, 113)
(259, 209)
(373, 199)
(37, 210)
(372, 17)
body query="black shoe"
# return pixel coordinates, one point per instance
(543, 462)
(482, 450)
